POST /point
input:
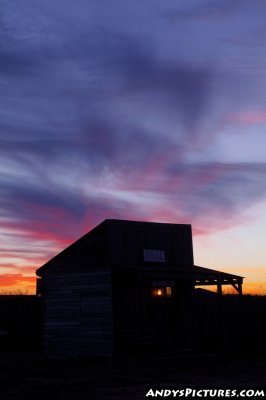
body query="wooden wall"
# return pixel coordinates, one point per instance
(127, 239)
(77, 313)
(144, 323)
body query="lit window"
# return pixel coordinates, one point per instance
(162, 291)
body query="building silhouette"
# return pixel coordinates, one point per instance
(125, 286)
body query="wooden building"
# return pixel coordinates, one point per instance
(125, 285)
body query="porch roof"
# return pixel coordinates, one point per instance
(200, 276)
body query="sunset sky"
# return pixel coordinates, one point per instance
(147, 110)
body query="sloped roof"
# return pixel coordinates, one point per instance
(77, 245)
(200, 275)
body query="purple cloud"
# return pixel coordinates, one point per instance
(122, 114)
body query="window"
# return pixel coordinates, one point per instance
(162, 291)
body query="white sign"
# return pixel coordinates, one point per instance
(154, 255)
(164, 284)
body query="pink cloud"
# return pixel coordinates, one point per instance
(248, 117)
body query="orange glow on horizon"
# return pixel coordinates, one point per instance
(21, 284)
(17, 284)
(258, 288)
(255, 289)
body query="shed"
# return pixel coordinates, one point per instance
(125, 285)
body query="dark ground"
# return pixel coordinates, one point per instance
(28, 376)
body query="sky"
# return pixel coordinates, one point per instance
(146, 110)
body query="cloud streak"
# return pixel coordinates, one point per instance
(124, 117)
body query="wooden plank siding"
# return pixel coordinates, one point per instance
(77, 311)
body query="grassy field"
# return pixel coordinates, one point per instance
(228, 327)
(28, 376)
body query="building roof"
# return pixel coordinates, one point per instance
(199, 275)
(85, 239)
